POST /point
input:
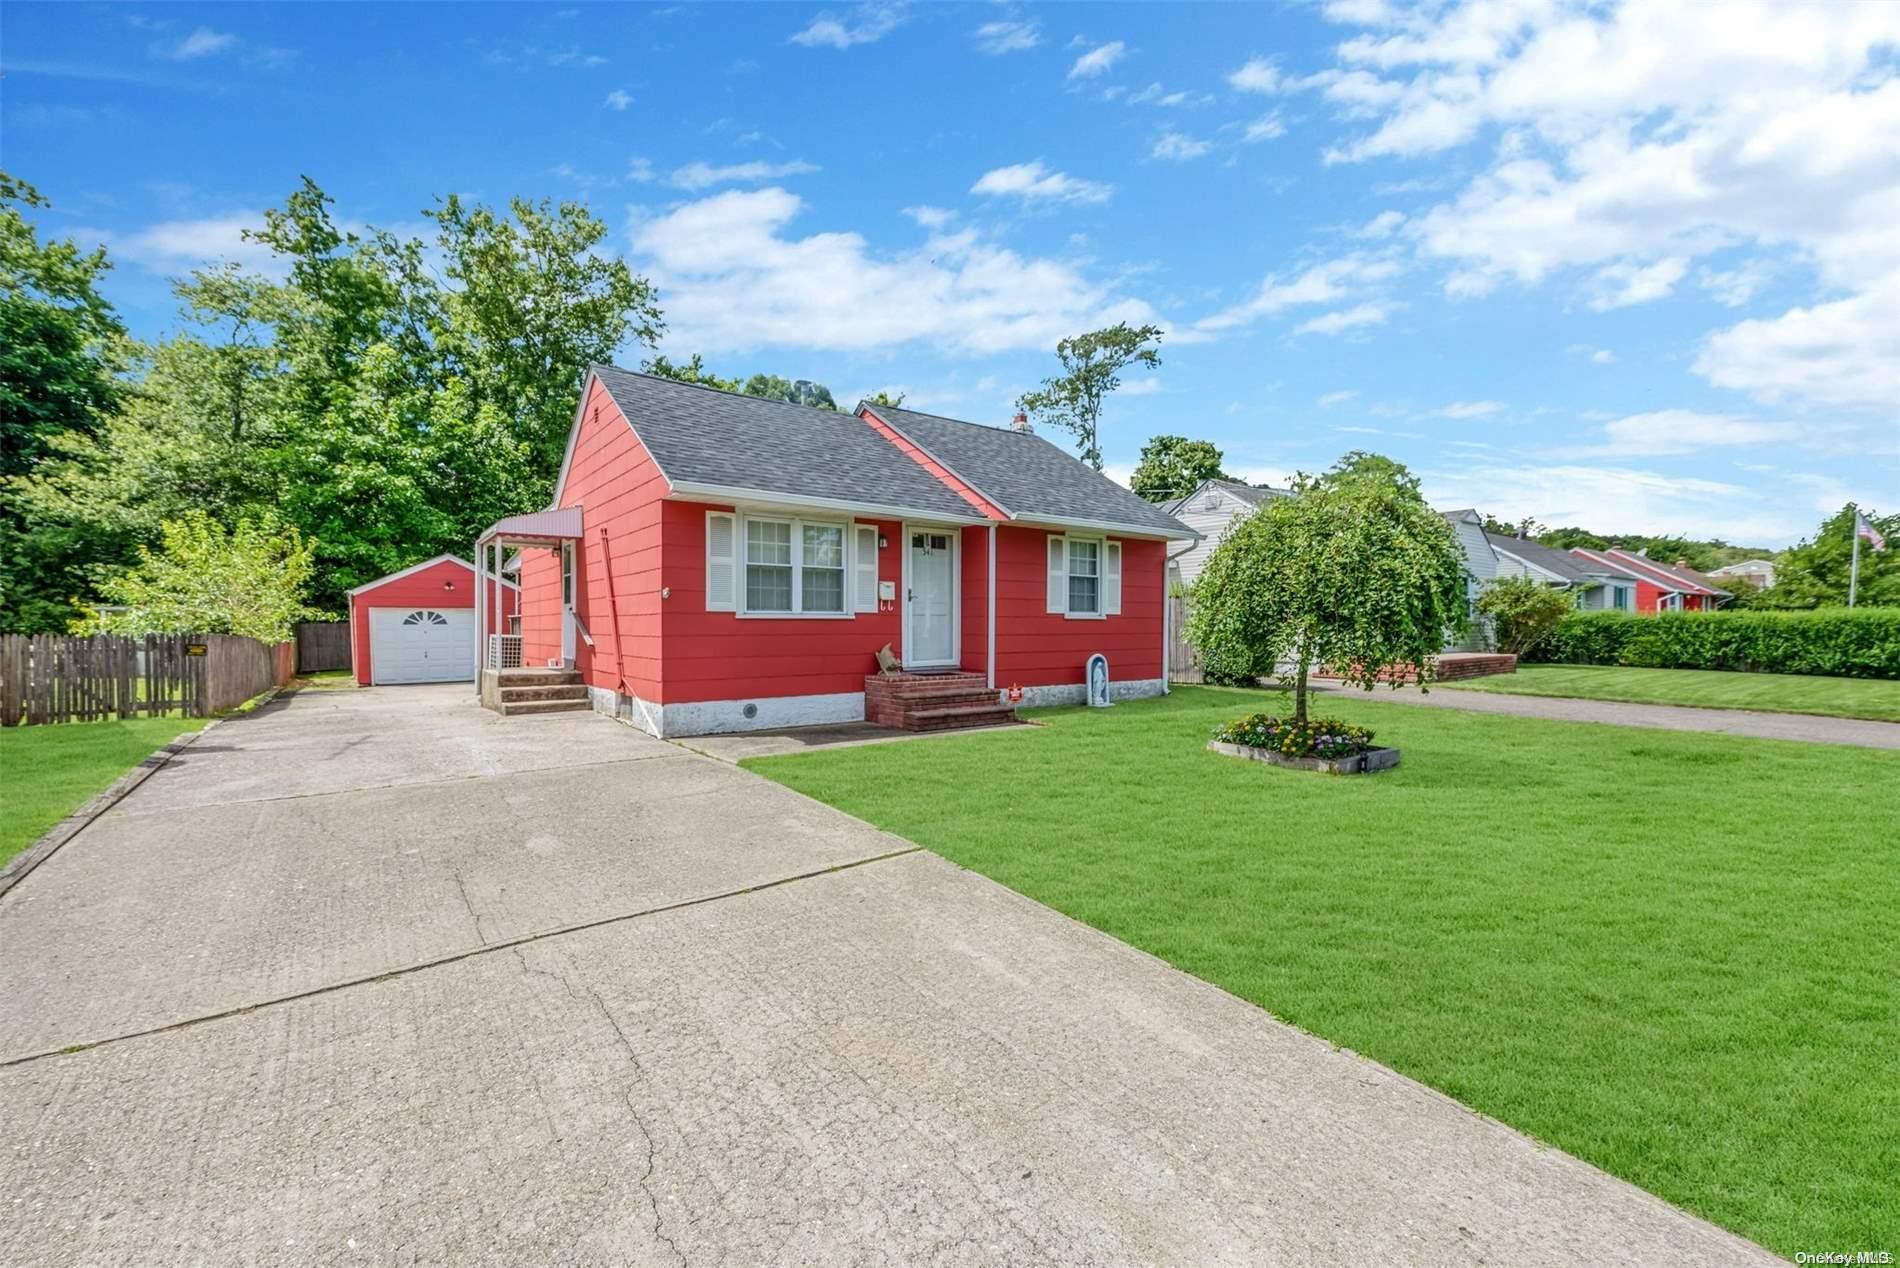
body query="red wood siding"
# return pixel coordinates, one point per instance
(617, 562)
(1037, 648)
(983, 505)
(444, 584)
(724, 656)
(974, 570)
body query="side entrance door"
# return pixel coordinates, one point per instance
(567, 604)
(930, 602)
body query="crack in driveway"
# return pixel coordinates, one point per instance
(525, 939)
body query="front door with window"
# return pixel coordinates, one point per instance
(930, 601)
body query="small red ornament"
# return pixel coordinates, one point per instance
(1015, 694)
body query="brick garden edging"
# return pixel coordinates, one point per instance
(1366, 763)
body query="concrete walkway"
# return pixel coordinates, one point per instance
(1808, 728)
(381, 978)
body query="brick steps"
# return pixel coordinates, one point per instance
(933, 702)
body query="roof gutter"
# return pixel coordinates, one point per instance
(1184, 534)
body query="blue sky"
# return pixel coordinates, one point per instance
(1620, 266)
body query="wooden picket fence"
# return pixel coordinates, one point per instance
(1184, 660)
(46, 678)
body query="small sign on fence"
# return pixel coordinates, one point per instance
(196, 649)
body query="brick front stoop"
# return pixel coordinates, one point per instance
(933, 702)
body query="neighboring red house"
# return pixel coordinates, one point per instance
(718, 562)
(1659, 587)
(418, 625)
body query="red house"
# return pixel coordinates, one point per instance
(1659, 587)
(716, 562)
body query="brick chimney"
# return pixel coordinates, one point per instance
(1021, 423)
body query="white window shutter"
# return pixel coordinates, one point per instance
(1111, 578)
(1058, 574)
(864, 566)
(722, 569)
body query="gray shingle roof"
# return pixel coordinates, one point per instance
(1026, 475)
(1560, 562)
(700, 435)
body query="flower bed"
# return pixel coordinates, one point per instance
(1322, 744)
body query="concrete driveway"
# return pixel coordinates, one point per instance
(377, 977)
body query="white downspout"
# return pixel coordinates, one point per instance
(989, 610)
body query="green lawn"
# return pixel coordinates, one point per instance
(1703, 688)
(1673, 955)
(47, 772)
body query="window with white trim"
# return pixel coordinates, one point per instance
(784, 566)
(1085, 577)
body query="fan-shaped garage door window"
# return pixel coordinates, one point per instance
(425, 618)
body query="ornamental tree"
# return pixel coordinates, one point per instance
(1353, 572)
(248, 581)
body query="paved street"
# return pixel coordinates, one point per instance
(377, 977)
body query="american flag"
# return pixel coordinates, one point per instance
(1863, 528)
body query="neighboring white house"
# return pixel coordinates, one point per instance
(1213, 508)
(1759, 573)
(1599, 586)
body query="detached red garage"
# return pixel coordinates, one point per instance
(418, 625)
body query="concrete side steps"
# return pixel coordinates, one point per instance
(564, 691)
(520, 708)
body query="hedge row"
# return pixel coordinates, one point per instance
(1862, 643)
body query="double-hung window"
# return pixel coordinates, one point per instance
(1085, 578)
(793, 568)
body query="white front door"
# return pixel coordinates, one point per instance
(930, 634)
(567, 603)
(421, 644)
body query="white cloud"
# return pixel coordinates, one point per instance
(1258, 75)
(1633, 136)
(869, 24)
(1621, 285)
(1681, 431)
(1149, 386)
(1383, 225)
(1345, 319)
(618, 99)
(702, 175)
(997, 38)
(1595, 356)
(1735, 287)
(202, 42)
(174, 247)
(1337, 398)
(1844, 353)
(1265, 128)
(930, 217)
(1321, 284)
(1471, 409)
(1098, 60)
(1178, 147)
(736, 279)
(1033, 182)
(640, 171)
(1626, 499)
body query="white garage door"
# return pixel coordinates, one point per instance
(422, 644)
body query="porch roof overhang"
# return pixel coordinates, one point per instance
(537, 528)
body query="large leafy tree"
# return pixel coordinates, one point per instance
(693, 371)
(204, 579)
(1174, 466)
(1091, 371)
(1353, 572)
(61, 349)
(1814, 574)
(388, 398)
